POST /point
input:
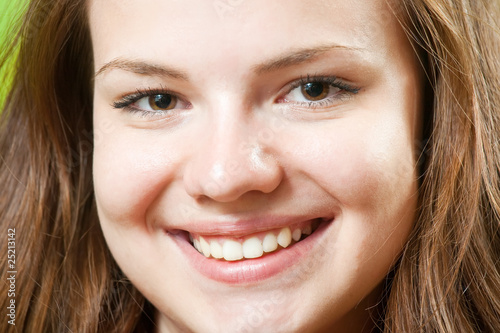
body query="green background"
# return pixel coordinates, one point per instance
(10, 11)
(8, 8)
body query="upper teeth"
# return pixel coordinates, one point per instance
(232, 249)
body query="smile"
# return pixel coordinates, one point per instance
(249, 251)
(252, 246)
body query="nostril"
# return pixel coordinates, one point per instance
(225, 173)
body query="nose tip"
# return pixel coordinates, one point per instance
(227, 179)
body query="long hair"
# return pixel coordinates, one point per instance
(447, 279)
(66, 279)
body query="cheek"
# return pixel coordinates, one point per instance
(129, 172)
(368, 169)
(366, 166)
(377, 174)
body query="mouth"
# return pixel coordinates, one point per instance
(249, 252)
(253, 246)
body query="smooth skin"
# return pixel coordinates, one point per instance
(244, 142)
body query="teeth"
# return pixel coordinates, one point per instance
(232, 250)
(205, 247)
(196, 244)
(270, 243)
(285, 237)
(252, 248)
(216, 250)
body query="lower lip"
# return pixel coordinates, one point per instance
(251, 270)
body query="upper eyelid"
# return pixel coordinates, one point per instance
(141, 93)
(340, 83)
(128, 99)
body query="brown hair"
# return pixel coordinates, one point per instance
(447, 279)
(66, 279)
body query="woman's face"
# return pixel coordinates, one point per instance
(246, 126)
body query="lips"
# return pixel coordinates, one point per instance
(246, 258)
(252, 246)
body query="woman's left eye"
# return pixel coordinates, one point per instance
(159, 102)
(313, 91)
(317, 91)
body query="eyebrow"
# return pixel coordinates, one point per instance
(297, 57)
(288, 59)
(142, 68)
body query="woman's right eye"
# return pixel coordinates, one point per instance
(151, 102)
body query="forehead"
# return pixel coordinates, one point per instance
(239, 30)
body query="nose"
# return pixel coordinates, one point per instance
(230, 162)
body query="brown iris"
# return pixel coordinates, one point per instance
(162, 102)
(315, 91)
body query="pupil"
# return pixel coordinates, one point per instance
(314, 89)
(162, 101)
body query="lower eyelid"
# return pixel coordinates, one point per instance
(325, 104)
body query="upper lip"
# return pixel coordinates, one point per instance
(240, 227)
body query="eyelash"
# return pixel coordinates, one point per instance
(127, 101)
(345, 90)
